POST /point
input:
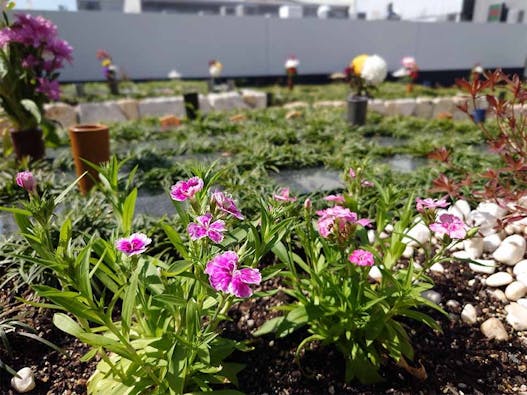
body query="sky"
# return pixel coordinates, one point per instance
(70, 5)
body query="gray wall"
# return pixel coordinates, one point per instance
(149, 45)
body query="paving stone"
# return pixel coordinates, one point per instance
(108, 111)
(309, 180)
(160, 106)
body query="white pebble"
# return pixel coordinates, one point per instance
(517, 316)
(522, 277)
(461, 255)
(492, 209)
(498, 294)
(491, 242)
(471, 282)
(417, 235)
(499, 279)
(522, 302)
(469, 314)
(383, 235)
(375, 273)
(408, 252)
(453, 304)
(432, 296)
(463, 207)
(389, 228)
(484, 221)
(24, 383)
(515, 290)
(511, 250)
(371, 236)
(486, 266)
(474, 247)
(494, 329)
(437, 268)
(456, 212)
(520, 267)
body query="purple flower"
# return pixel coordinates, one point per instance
(184, 190)
(224, 275)
(339, 221)
(283, 196)
(134, 244)
(25, 179)
(451, 225)
(226, 204)
(335, 198)
(49, 88)
(361, 258)
(204, 228)
(430, 204)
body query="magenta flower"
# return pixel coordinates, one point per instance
(451, 225)
(204, 227)
(283, 196)
(361, 258)
(339, 199)
(226, 204)
(25, 179)
(366, 183)
(352, 173)
(224, 275)
(430, 204)
(134, 244)
(184, 190)
(49, 88)
(338, 220)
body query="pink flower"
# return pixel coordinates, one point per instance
(451, 225)
(49, 88)
(430, 204)
(361, 258)
(352, 173)
(226, 204)
(338, 220)
(283, 196)
(366, 183)
(25, 179)
(224, 275)
(308, 204)
(204, 228)
(335, 198)
(184, 190)
(134, 244)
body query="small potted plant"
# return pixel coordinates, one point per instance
(364, 73)
(408, 73)
(110, 71)
(215, 69)
(31, 55)
(291, 69)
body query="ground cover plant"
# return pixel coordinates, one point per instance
(250, 153)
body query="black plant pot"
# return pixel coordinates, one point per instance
(28, 142)
(270, 98)
(113, 85)
(357, 107)
(191, 104)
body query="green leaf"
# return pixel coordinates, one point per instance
(128, 211)
(269, 326)
(16, 210)
(175, 239)
(130, 295)
(61, 197)
(31, 107)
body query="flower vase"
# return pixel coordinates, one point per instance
(29, 142)
(479, 115)
(90, 143)
(113, 85)
(357, 108)
(290, 82)
(191, 100)
(409, 87)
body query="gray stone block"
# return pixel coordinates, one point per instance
(100, 112)
(423, 108)
(130, 108)
(226, 101)
(254, 99)
(63, 113)
(160, 106)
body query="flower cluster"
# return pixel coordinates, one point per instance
(291, 65)
(449, 225)
(365, 72)
(409, 71)
(215, 68)
(184, 190)
(361, 258)
(109, 69)
(33, 54)
(338, 222)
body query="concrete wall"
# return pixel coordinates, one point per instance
(148, 46)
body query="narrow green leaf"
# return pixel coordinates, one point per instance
(31, 107)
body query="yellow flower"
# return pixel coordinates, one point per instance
(106, 62)
(358, 63)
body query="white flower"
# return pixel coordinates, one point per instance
(174, 75)
(292, 63)
(478, 69)
(409, 62)
(402, 72)
(215, 69)
(374, 70)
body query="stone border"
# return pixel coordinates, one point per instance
(132, 109)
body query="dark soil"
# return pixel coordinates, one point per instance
(459, 361)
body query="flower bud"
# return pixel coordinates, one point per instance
(25, 179)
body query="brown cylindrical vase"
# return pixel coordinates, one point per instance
(409, 87)
(28, 143)
(91, 143)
